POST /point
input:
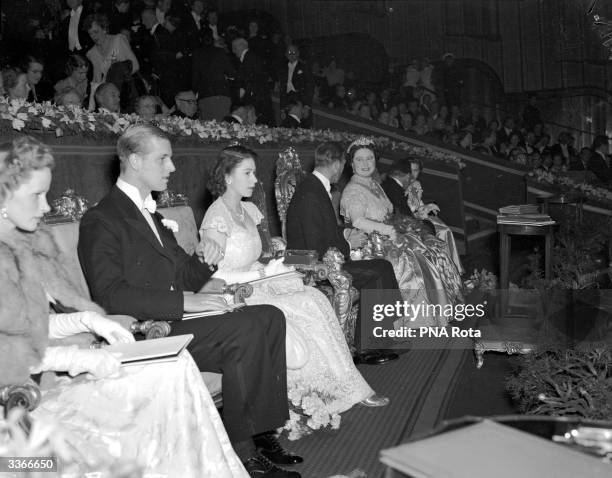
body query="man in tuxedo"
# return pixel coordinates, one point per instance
(185, 105)
(242, 114)
(311, 224)
(108, 98)
(134, 266)
(599, 162)
(193, 29)
(252, 82)
(394, 186)
(73, 36)
(211, 70)
(295, 80)
(163, 54)
(294, 115)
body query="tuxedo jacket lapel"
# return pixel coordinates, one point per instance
(134, 218)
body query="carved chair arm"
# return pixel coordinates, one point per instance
(239, 291)
(151, 329)
(26, 395)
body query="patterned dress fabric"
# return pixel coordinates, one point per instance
(424, 271)
(414, 198)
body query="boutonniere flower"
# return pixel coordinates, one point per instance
(170, 224)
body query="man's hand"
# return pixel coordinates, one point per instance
(209, 251)
(213, 286)
(204, 303)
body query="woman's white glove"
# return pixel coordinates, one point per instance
(276, 266)
(65, 325)
(99, 363)
(426, 209)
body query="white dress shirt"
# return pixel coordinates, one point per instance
(197, 19)
(215, 32)
(325, 181)
(73, 29)
(134, 194)
(290, 86)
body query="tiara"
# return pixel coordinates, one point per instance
(361, 141)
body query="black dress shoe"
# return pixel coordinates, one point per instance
(258, 466)
(268, 445)
(375, 357)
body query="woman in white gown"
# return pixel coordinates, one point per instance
(414, 198)
(322, 379)
(160, 416)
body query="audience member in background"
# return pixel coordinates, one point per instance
(186, 105)
(333, 74)
(559, 166)
(211, 70)
(106, 414)
(412, 76)
(242, 114)
(261, 45)
(120, 17)
(452, 80)
(531, 113)
(162, 50)
(338, 98)
(15, 84)
(77, 67)
(108, 98)
(110, 53)
(146, 107)
(33, 68)
(295, 81)
(212, 20)
(504, 133)
(564, 146)
(599, 162)
(68, 97)
(73, 32)
(581, 162)
(193, 29)
(294, 115)
(251, 81)
(426, 76)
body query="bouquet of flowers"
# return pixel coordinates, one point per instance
(481, 280)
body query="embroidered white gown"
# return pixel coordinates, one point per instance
(328, 383)
(160, 416)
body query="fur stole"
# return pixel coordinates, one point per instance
(31, 265)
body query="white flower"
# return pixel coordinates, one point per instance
(170, 224)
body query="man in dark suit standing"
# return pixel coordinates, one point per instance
(133, 265)
(211, 71)
(394, 186)
(252, 82)
(193, 29)
(599, 162)
(311, 224)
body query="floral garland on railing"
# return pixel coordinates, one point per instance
(74, 121)
(588, 190)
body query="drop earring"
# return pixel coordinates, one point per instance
(3, 213)
(229, 181)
